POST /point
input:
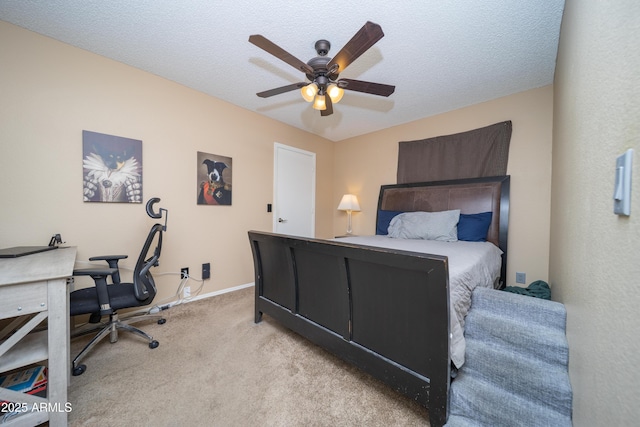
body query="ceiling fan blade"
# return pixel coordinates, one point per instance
(329, 110)
(366, 37)
(280, 53)
(367, 87)
(279, 90)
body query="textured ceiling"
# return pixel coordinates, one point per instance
(440, 55)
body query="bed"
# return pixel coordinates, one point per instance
(387, 308)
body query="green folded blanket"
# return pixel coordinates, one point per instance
(537, 289)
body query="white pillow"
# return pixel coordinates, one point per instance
(441, 226)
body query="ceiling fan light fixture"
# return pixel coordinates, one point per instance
(335, 93)
(309, 92)
(320, 103)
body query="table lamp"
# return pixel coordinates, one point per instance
(350, 204)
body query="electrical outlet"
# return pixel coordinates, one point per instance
(186, 291)
(521, 278)
(184, 272)
(206, 271)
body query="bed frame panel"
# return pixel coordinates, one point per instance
(385, 311)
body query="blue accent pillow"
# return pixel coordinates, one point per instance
(384, 218)
(474, 227)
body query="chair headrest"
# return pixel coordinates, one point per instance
(152, 213)
(150, 210)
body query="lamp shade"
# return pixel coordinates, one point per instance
(320, 103)
(335, 93)
(349, 202)
(309, 92)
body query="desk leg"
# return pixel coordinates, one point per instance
(58, 344)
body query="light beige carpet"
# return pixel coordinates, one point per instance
(216, 367)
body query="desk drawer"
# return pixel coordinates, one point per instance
(24, 298)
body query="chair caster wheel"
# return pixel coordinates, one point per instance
(162, 321)
(154, 344)
(79, 370)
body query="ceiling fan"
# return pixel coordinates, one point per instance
(323, 87)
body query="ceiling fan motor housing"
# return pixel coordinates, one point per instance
(319, 65)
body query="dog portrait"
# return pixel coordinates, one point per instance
(214, 179)
(112, 168)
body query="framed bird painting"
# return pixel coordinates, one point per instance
(214, 179)
(112, 168)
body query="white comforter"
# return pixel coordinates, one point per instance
(471, 264)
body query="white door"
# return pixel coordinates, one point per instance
(294, 191)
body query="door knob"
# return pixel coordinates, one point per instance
(282, 220)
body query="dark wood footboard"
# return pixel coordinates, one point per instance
(385, 311)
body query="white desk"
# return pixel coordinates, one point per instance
(34, 288)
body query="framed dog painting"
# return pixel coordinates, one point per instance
(214, 179)
(112, 168)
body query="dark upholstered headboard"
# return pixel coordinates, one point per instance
(471, 196)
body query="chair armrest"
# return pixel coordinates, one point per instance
(99, 276)
(97, 271)
(112, 260)
(108, 257)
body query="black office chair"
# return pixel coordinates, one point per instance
(104, 299)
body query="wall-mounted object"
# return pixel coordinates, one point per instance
(111, 168)
(214, 179)
(622, 190)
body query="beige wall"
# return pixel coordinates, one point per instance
(364, 163)
(51, 91)
(595, 255)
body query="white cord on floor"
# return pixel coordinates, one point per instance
(171, 301)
